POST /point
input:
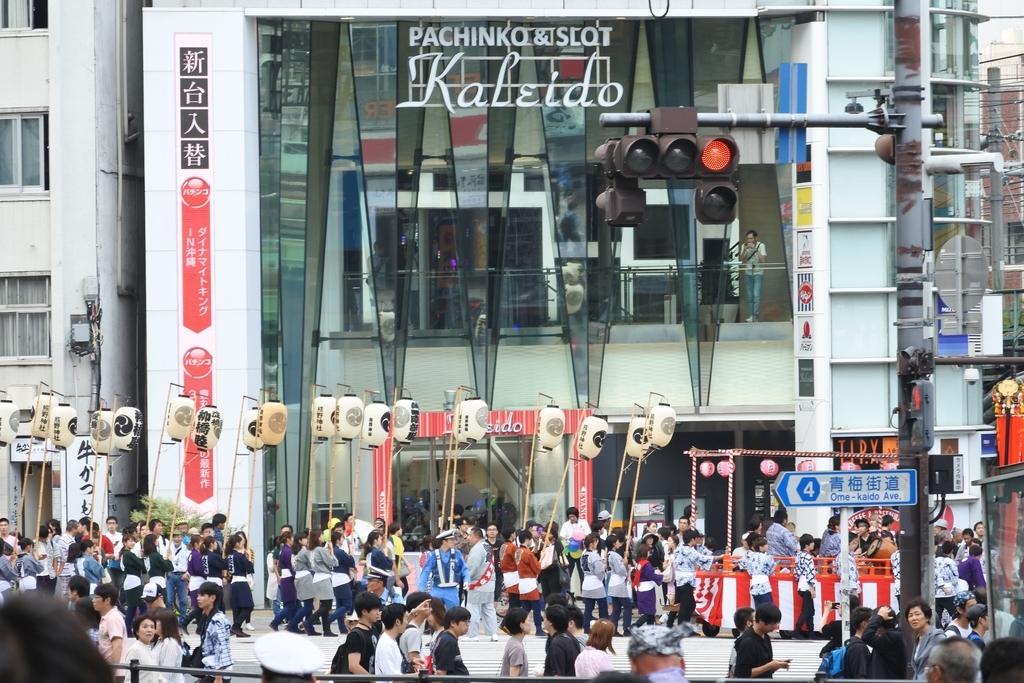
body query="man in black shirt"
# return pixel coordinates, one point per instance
(857, 662)
(355, 655)
(447, 656)
(889, 655)
(754, 657)
(562, 648)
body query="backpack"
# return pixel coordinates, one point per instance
(834, 662)
(1017, 628)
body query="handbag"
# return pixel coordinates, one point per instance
(547, 557)
(563, 576)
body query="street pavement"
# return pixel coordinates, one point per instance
(706, 658)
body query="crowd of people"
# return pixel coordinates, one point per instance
(475, 581)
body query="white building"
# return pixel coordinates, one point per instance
(72, 284)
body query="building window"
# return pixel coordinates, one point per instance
(23, 14)
(22, 153)
(24, 317)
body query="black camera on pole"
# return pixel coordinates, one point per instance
(669, 149)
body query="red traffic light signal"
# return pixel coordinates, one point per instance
(718, 155)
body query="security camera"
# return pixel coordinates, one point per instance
(971, 375)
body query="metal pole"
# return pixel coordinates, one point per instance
(911, 242)
(995, 178)
(844, 573)
(874, 119)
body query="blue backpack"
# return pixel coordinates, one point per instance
(833, 662)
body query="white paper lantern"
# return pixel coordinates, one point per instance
(65, 424)
(550, 427)
(590, 439)
(9, 422)
(324, 406)
(272, 422)
(387, 326)
(127, 428)
(661, 425)
(180, 412)
(406, 415)
(572, 272)
(349, 416)
(209, 423)
(40, 428)
(101, 431)
(249, 421)
(471, 420)
(376, 424)
(574, 296)
(635, 442)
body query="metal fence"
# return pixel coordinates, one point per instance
(133, 669)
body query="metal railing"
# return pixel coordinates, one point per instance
(133, 669)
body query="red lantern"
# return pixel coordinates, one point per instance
(849, 466)
(769, 467)
(724, 468)
(707, 468)
(805, 466)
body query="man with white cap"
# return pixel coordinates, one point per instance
(153, 595)
(447, 569)
(656, 652)
(287, 658)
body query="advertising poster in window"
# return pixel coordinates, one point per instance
(196, 341)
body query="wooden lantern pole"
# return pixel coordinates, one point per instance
(622, 470)
(643, 454)
(334, 443)
(450, 453)
(359, 457)
(312, 448)
(185, 462)
(96, 470)
(159, 450)
(28, 466)
(455, 464)
(533, 453)
(558, 496)
(234, 458)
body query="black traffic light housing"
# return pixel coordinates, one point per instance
(669, 149)
(917, 416)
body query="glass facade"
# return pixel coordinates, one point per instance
(413, 240)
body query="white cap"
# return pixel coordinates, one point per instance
(604, 514)
(288, 654)
(445, 535)
(150, 591)
(378, 574)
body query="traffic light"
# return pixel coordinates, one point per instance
(669, 149)
(917, 416)
(715, 199)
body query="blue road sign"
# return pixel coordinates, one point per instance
(848, 489)
(793, 100)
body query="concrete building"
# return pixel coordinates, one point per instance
(71, 270)
(383, 223)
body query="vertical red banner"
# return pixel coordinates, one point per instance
(194, 173)
(382, 481)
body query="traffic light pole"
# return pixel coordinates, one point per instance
(916, 562)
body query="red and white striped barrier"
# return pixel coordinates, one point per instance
(719, 595)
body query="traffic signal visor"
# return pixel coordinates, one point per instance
(718, 155)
